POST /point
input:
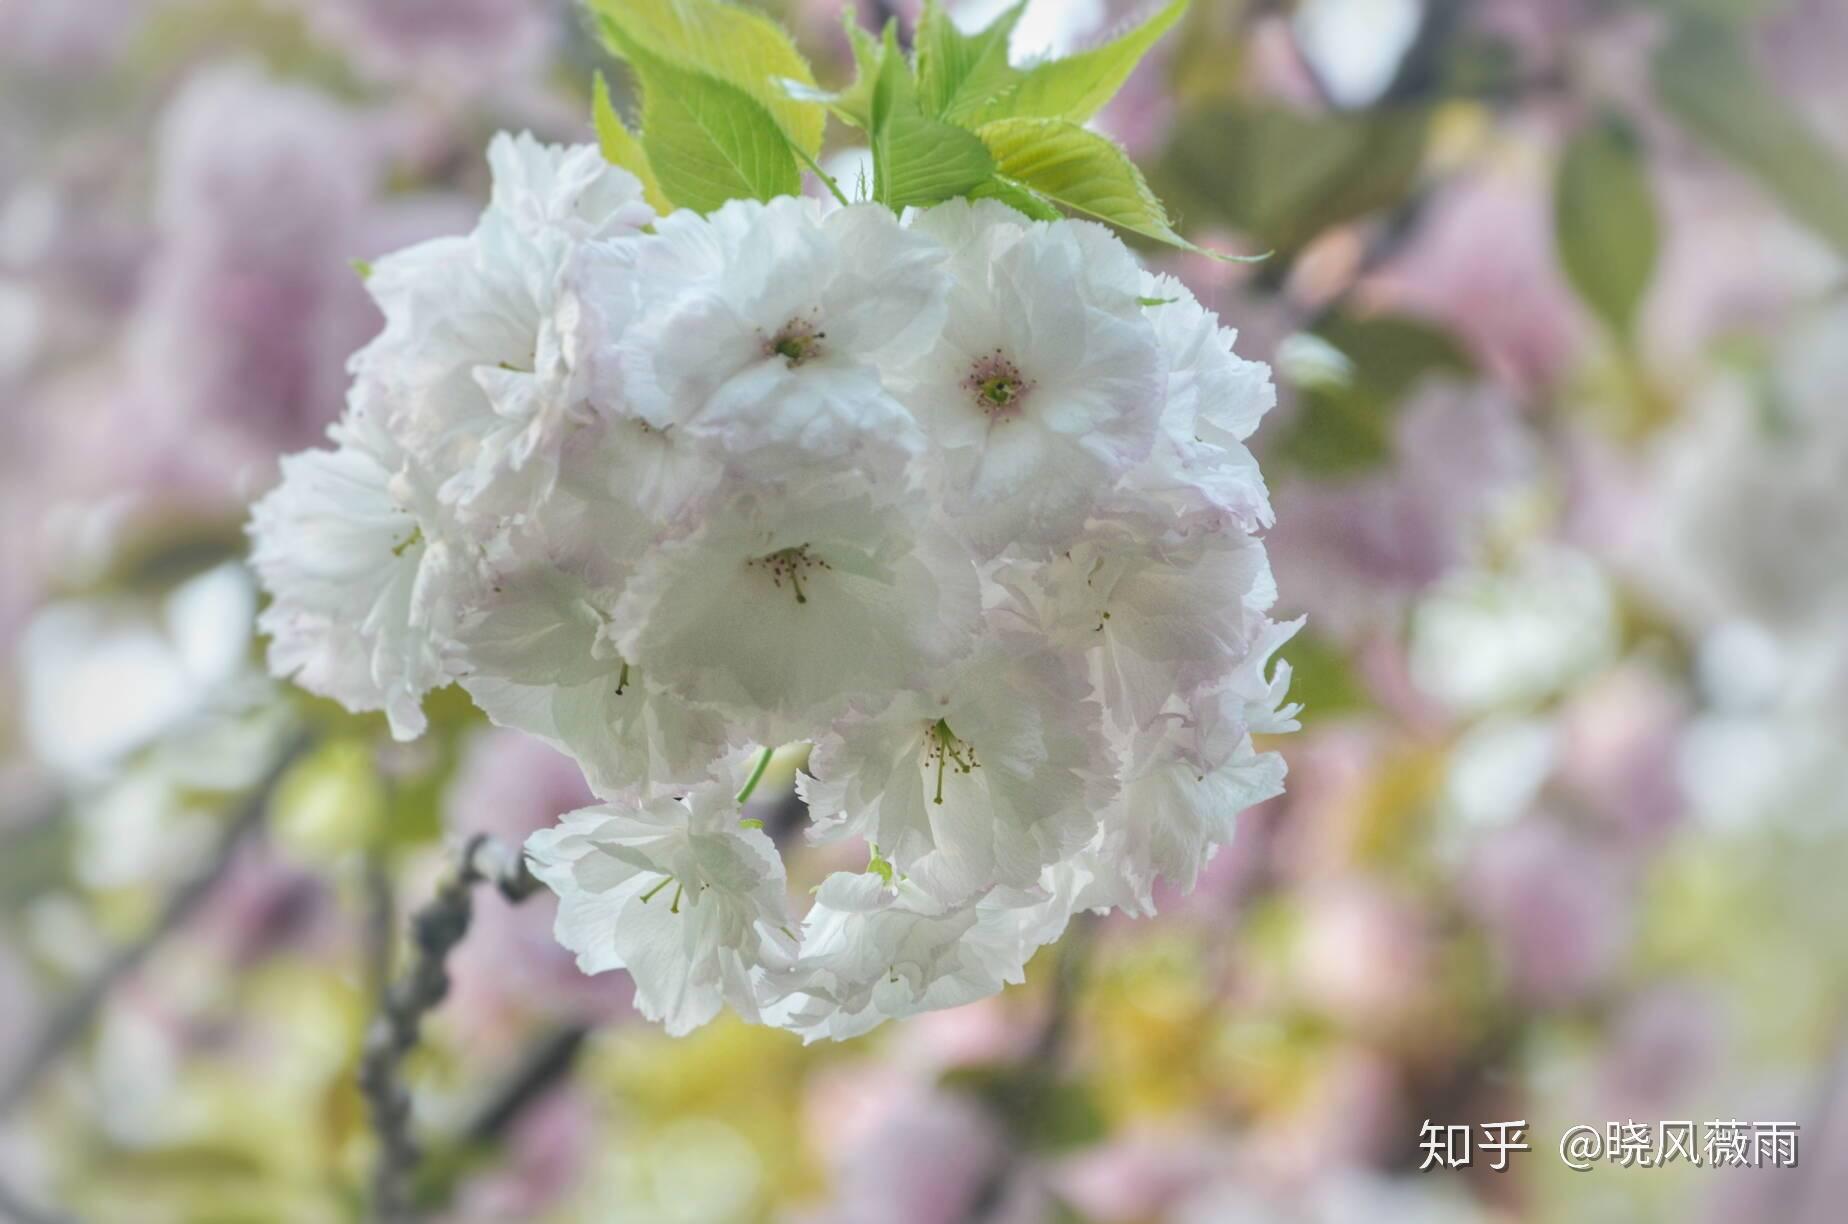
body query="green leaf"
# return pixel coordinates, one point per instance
(1077, 87)
(1704, 74)
(1343, 427)
(707, 141)
(1323, 678)
(1285, 176)
(918, 160)
(853, 105)
(621, 148)
(1078, 169)
(1019, 197)
(958, 73)
(742, 48)
(1605, 222)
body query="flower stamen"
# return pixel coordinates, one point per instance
(793, 564)
(946, 750)
(996, 385)
(795, 342)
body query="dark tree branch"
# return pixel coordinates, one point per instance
(545, 1064)
(435, 931)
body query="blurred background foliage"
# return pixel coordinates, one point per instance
(1556, 307)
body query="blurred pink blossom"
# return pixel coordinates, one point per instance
(1621, 739)
(1482, 265)
(1366, 955)
(899, 1149)
(1139, 1173)
(1348, 553)
(545, 1154)
(267, 194)
(451, 46)
(69, 35)
(1662, 1049)
(1556, 907)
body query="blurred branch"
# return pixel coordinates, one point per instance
(435, 931)
(548, 1061)
(71, 1019)
(16, 1209)
(1039, 1073)
(1421, 70)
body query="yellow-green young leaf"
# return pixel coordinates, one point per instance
(737, 46)
(621, 148)
(707, 141)
(918, 160)
(958, 73)
(1605, 222)
(1705, 75)
(1077, 169)
(1076, 87)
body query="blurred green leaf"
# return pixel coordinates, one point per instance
(1705, 76)
(621, 148)
(1342, 428)
(959, 72)
(1284, 176)
(1322, 677)
(35, 857)
(725, 43)
(1076, 87)
(1605, 221)
(1049, 1113)
(918, 160)
(1078, 169)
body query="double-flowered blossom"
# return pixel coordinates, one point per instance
(958, 497)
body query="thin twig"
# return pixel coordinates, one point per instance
(435, 931)
(72, 1018)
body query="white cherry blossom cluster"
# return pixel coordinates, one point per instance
(960, 499)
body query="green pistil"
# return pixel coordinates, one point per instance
(796, 349)
(409, 542)
(878, 865)
(650, 894)
(797, 342)
(757, 775)
(1000, 390)
(622, 679)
